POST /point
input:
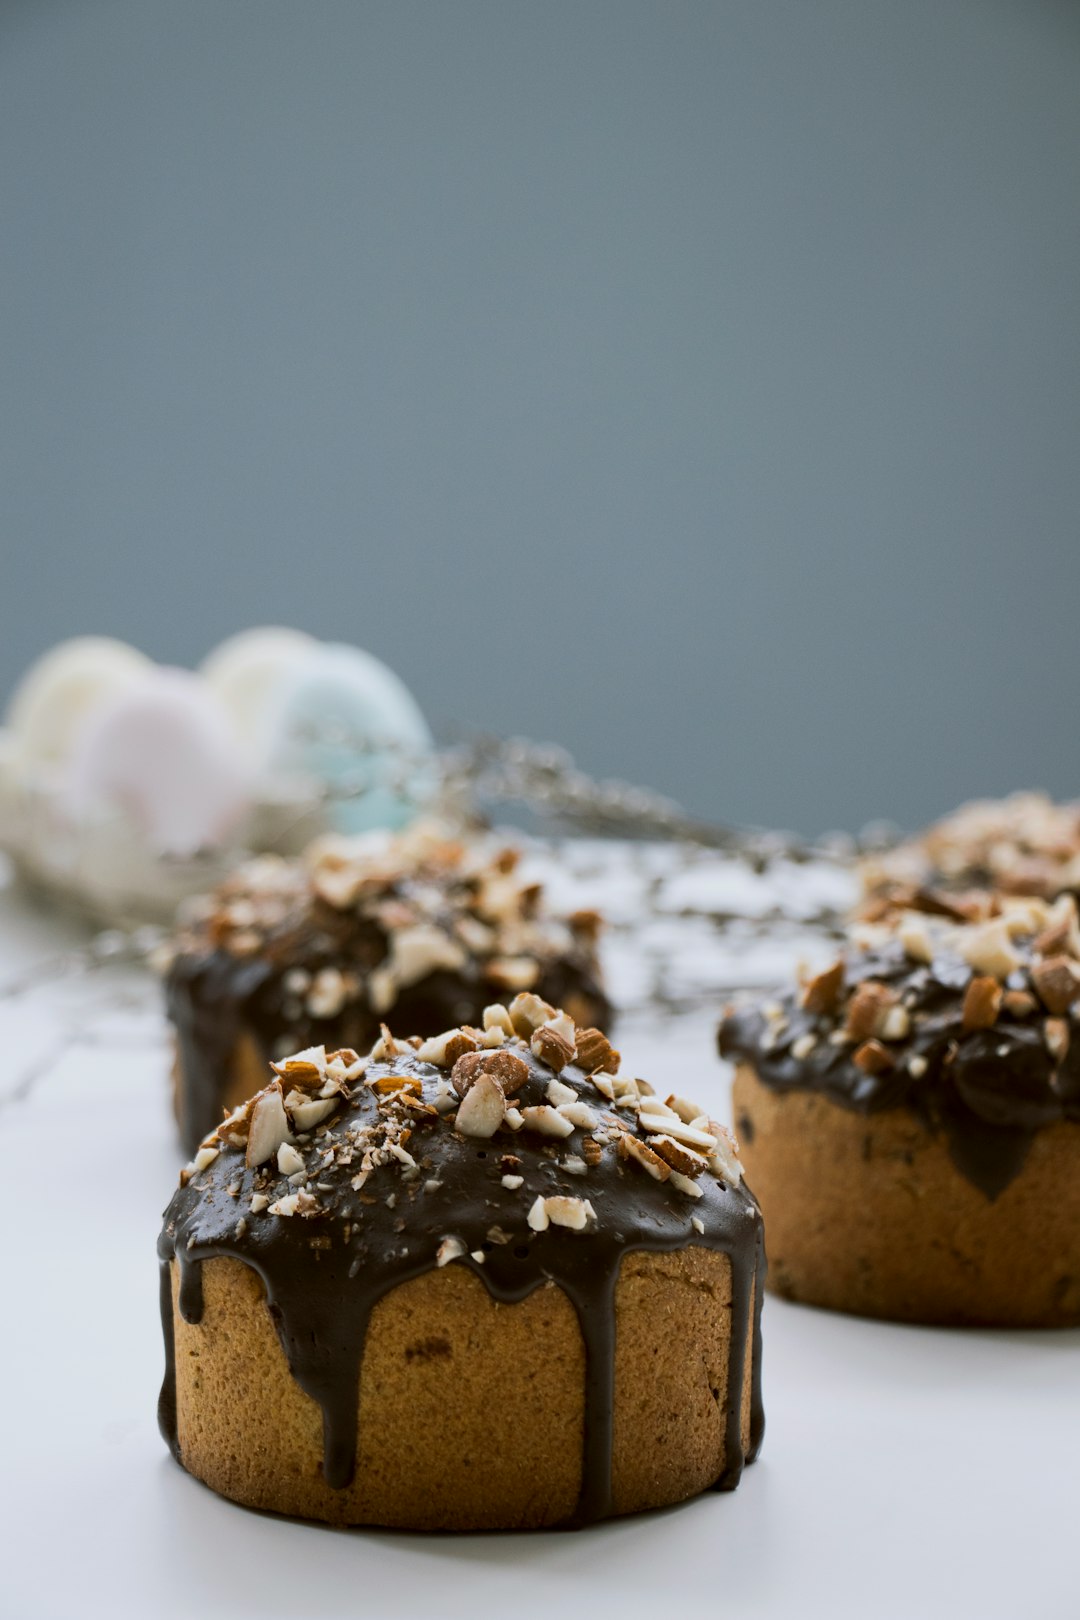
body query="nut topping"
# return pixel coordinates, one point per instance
(482, 1108)
(982, 1003)
(822, 994)
(1057, 980)
(269, 1126)
(507, 1068)
(595, 1053)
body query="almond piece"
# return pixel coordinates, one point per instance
(420, 950)
(914, 934)
(873, 1058)
(989, 949)
(483, 1107)
(451, 1248)
(982, 1003)
(528, 1012)
(868, 1010)
(553, 1044)
(570, 1212)
(445, 1049)
(512, 972)
(686, 1111)
(286, 1206)
(1056, 1032)
(1057, 979)
(557, 1091)
(388, 1085)
(669, 1125)
(1019, 1003)
(547, 1120)
(822, 993)
(538, 1216)
(269, 1127)
(1062, 932)
(385, 1048)
(595, 1053)
(580, 1115)
(289, 1162)
(509, 1070)
(677, 1156)
(724, 1161)
(632, 1147)
(685, 1184)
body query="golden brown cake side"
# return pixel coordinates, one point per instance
(869, 1214)
(380, 1272)
(471, 1412)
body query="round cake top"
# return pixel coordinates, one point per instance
(518, 1150)
(1023, 844)
(474, 1139)
(361, 920)
(965, 1011)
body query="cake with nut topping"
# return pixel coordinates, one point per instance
(911, 1117)
(1025, 844)
(479, 1281)
(422, 928)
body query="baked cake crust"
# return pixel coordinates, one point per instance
(910, 1118)
(869, 1214)
(482, 1281)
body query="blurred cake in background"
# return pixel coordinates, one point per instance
(1023, 844)
(419, 930)
(126, 787)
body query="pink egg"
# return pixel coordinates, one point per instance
(163, 755)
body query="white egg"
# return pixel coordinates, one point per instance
(349, 725)
(163, 755)
(64, 686)
(247, 670)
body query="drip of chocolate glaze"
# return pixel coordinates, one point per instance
(987, 1090)
(321, 1297)
(213, 997)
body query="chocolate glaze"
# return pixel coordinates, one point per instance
(321, 1297)
(213, 997)
(987, 1090)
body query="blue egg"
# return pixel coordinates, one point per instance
(345, 721)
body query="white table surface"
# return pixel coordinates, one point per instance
(905, 1472)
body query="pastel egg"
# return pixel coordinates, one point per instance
(62, 688)
(248, 669)
(350, 726)
(162, 754)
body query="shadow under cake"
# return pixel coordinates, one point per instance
(420, 931)
(910, 1120)
(475, 1293)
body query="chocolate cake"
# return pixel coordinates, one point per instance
(1024, 844)
(422, 929)
(482, 1280)
(910, 1117)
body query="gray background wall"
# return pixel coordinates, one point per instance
(695, 383)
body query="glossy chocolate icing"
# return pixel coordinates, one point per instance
(325, 1272)
(987, 1090)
